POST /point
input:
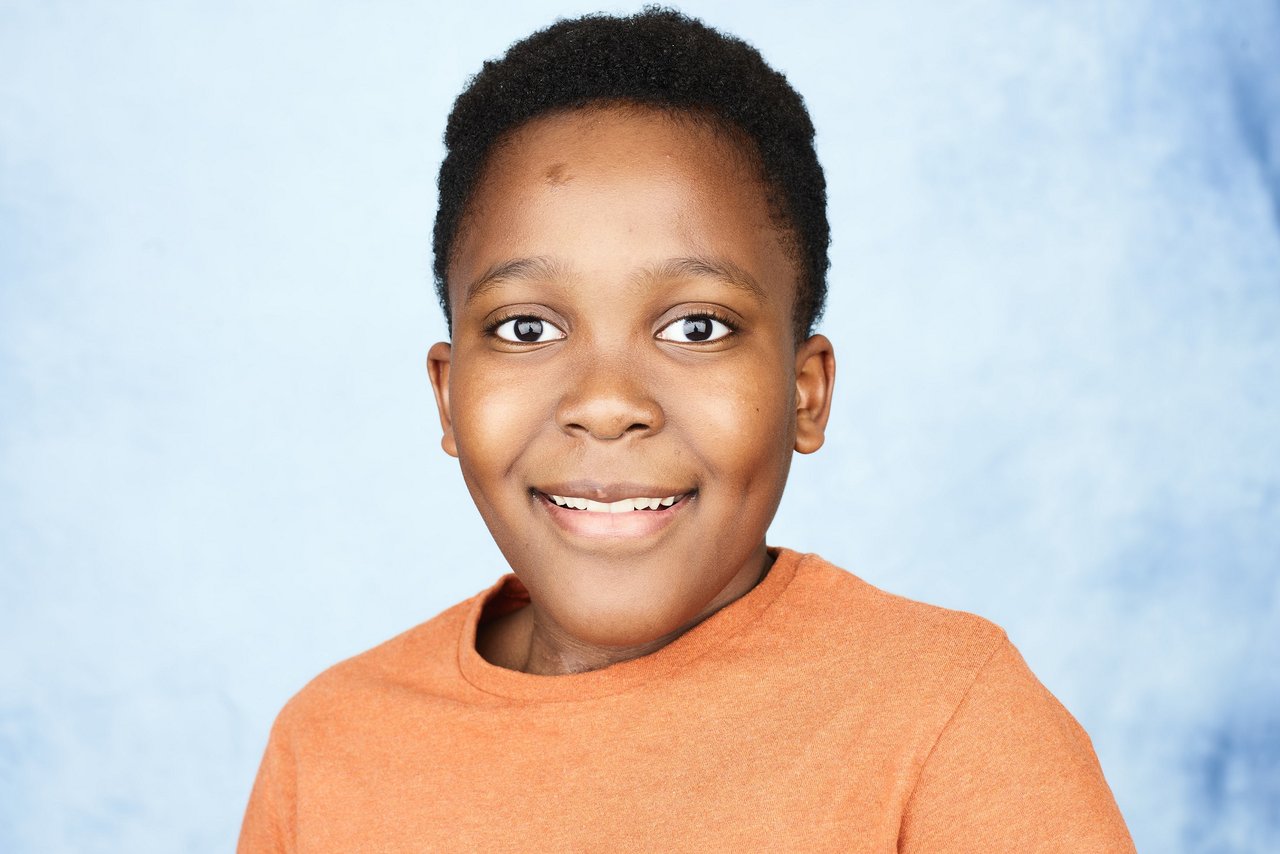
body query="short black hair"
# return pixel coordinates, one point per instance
(658, 58)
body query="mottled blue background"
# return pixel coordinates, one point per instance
(1055, 301)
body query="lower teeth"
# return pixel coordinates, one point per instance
(581, 510)
(636, 510)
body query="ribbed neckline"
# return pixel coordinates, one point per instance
(706, 636)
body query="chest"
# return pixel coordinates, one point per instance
(782, 770)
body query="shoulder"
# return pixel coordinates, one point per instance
(421, 659)
(902, 666)
(994, 760)
(889, 637)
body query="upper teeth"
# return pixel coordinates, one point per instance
(626, 505)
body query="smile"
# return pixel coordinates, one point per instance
(631, 518)
(626, 505)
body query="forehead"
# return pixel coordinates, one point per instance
(606, 130)
(614, 187)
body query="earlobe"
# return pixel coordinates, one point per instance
(815, 382)
(439, 359)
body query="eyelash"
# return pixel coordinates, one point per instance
(491, 329)
(714, 315)
(493, 325)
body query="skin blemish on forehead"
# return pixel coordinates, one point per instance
(558, 174)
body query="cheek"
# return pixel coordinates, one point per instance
(494, 415)
(740, 421)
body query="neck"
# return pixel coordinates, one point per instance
(537, 645)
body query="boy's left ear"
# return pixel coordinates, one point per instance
(815, 381)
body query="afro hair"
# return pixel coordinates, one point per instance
(659, 59)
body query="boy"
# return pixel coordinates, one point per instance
(631, 250)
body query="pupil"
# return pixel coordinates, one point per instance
(697, 328)
(529, 330)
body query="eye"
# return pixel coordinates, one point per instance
(695, 329)
(527, 330)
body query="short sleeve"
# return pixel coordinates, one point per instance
(269, 818)
(1012, 771)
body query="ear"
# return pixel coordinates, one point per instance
(439, 359)
(815, 381)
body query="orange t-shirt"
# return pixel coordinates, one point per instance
(815, 713)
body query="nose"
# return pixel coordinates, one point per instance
(609, 400)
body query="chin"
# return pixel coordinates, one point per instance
(618, 615)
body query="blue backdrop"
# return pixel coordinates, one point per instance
(1055, 301)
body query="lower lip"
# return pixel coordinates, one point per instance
(627, 525)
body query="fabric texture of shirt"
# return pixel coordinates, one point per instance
(815, 713)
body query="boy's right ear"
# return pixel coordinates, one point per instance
(439, 358)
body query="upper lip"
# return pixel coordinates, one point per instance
(610, 492)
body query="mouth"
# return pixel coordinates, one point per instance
(624, 505)
(613, 512)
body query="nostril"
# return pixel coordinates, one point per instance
(608, 413)
(604, 431)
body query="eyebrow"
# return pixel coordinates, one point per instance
(517, 268)
(697, 266)
(701, 266)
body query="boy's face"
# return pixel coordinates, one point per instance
(622, 328)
